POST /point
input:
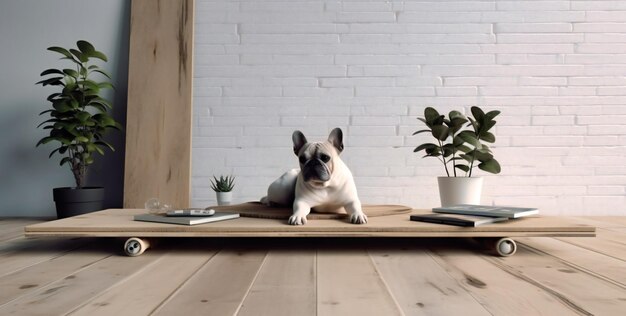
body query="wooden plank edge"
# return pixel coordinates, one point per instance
(305, 234)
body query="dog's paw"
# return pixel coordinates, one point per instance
(297, 219)
(358, 218)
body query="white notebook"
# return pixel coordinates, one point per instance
(162, 218)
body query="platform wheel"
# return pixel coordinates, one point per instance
(134, 246)
(505, 247)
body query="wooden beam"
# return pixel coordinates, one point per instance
(158, 129)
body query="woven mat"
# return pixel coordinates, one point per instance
(258, 210)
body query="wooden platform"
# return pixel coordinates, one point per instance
(314, 276)
(119, 223)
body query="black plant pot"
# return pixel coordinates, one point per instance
(71, 201)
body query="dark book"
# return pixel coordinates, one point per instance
(485, 210)
(457, 219)
(194, 220)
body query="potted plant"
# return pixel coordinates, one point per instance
(77, 122)
(460, 147)
(223, 189)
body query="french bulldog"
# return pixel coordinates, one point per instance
(323, 181)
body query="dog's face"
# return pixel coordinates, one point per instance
(317, 158)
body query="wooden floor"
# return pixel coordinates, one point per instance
(313, 276)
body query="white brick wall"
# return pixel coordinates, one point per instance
(556, 70)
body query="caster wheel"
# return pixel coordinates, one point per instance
(505, 247)
(134, 246)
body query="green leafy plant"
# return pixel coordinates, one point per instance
(223, 184)
(465, 149)
(79, 115)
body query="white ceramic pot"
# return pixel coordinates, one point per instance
(224, 198)
(460, 190)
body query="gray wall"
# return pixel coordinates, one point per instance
(27, 28)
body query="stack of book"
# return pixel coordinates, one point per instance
(473, 215)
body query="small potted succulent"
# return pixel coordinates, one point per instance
(77, 121)
(460, 144)
(223, 188)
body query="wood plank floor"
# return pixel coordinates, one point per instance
(313, 276)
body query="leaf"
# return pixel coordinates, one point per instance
(430, 114)
(491, 166)
(467, 157)
(83, 116)
(62, 106)
(52, 152)
(487, 126)
(488, 137)
(480, 156)
(103, 73)
(82, 139)
(463, 148)
(55, 81)
(433, 152)
(457, 141)
(462, 167)
(424, 146)
(45, 140)
(99, 100)
(71, 72)
(52, 96)
(106, 85)
(455, 114)
(440, 132)
(492, 114)
(448, 150)
(470, 137)
(478, 113)
(421, 131)
(52, 120)
(89, 84)
(103, 143)
(99, 55)
(65, 160)
(79, 55)
(51, 71)
(85, 47)
(60, 50)
(456, 124)
(72, 59)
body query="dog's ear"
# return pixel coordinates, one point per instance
(298, 141)
(336, 138)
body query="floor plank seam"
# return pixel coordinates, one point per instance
(554, 293)
(82, 244)
(573, 265)
(115, 285)
(39, 288)
(588, 248)
(256, 275)
(382, 279)
(179, 287)
(432, 256)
